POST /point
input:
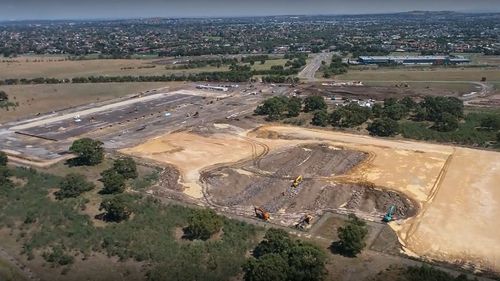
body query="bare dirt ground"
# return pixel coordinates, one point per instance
(452, 188)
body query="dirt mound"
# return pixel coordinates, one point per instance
(268, 183)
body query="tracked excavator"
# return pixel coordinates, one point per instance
(389, 216)
(261, 213)
(304, 222)
(297, 181)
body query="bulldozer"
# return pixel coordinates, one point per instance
(297, 181)
(304, 222)
(261, 213)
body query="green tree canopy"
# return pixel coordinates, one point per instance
(491, 122)
(384, 127)
(90, 152)
(203, 224)
(3, 158)
(270, 267)
(320, 118)
(273, 107)
(4, 177)
(294, 260)
(313, 103)
(72, 185)
(351, 115)
(115, 209)
(396, 111)
(113, 182)
(436, 107)
(294, 107)
(447, 122)
(126, 167)
(352, 236)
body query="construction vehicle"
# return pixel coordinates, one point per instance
(262, 214)
(390, 213)
(297, 181)
(304, 222)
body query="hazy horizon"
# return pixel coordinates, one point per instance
(116, 9)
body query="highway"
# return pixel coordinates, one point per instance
(313, 65)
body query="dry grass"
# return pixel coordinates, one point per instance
(28, 67)
(35, 99)
(430, 74)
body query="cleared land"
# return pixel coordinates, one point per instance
(35, 99)
(21, 68)
(454, 200)
(431, 74)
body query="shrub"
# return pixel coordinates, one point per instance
(113, 182)
(126, 167)
(3, 158)
(115, 209)
(384, 127)
(313, 103)
(352, 236)
(203, 224)
(72, 185)
(320, 118)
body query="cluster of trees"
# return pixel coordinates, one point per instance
(253, 59)
(203, 224)
(4, 171)
(5, 102)
(280, 79)
(279, 257)
(205, 62)
(279, 107)
(351, 237)
(424, 272)
(336, 67)
(114, 178)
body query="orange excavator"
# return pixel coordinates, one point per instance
(261, 213)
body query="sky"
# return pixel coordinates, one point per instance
(88, 9)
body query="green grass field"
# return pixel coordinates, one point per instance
(431, 74)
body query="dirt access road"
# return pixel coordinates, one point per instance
(455, 201)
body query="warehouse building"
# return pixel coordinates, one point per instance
(409, 60)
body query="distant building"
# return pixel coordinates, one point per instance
(408, 60)
(216, 88)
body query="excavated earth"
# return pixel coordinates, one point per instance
(268, 183)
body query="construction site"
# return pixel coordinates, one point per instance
(214, 153)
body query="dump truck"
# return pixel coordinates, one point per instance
(297, 181)
(261, 213)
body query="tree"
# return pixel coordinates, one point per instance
(436, 107)
(313, 103)
(491, 122)
(126, 167)
(275, 241)
(273, 108)
(4, 177)
(203, 224)
(293, 260)
(377, 110)
(270, 267)
(320, 118)
(90, 152)
(351, 115)
(446, 123)
(3, 158)
(352, 236)
(72, 185)
(115, 209)
(3, 96)
(113, 182)
(294, 107)
(408, 102)
(498, 137)
(396, 111)
(384, 127)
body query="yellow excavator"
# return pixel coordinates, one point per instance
(297, 181)
(262, 214)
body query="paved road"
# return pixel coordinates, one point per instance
(313, 65)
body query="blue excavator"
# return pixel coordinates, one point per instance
(390, 213)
